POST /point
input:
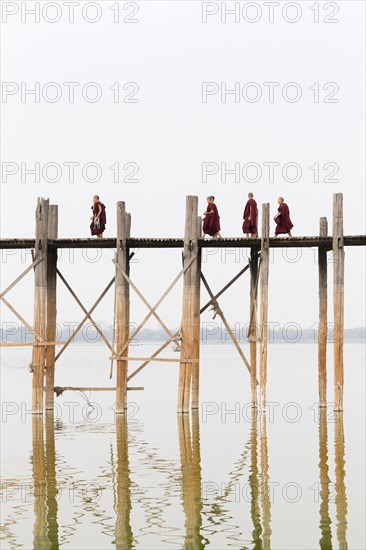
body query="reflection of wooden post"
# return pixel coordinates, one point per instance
(340, 486)
(191, 479)
(124, 537)
(39, 474)
(40, 303)
(197, 320)
(122, 305)
(338, 298)
(265, 501)
(51, 482)
(51, 305)
(252, 332)
(190, 325)
(253, 482)
(325, 521)
(264, 273)
(322, 332)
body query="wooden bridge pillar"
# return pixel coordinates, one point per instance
(51, 305)
(264, 273)
(252, 332)
(322, 329)
(338, 298)
(122, 304)
(40, 303)
(190, 326)
(197, 319)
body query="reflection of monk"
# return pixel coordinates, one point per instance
(250, 217)
(282, 218)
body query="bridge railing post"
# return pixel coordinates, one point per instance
(122, 304)
(40, 303)
(190, 326)
(51, 305)
(322, 329)
(264, 273)
(338, 298)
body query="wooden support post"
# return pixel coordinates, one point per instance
(338, 298)
(252, 332)
(264, 272)
(322, 330)
(190, 325)
(122, 304)
(51, 305)
(40, 303)
(195, 367)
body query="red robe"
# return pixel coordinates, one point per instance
(211, 222)
(250, 226)
(283, 221)
(102, 219)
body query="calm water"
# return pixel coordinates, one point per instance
(221, 478)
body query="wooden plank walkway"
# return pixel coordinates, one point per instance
(110, 242)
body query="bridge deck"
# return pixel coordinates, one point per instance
(109, 242)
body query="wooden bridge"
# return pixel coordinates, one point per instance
(44, 265)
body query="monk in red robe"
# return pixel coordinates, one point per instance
(250, 217)
(211, 221)
(282, 218)
(99, 218)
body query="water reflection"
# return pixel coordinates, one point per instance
(148, 517)
(190, 457)
(325, 541)
(340, 487)
(45, 529)
(329, 492)
(122, 488)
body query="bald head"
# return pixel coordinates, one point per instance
(281, 199)
(250, 195)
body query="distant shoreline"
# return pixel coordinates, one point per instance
(282, 335)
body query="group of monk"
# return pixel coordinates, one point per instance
(211, 221)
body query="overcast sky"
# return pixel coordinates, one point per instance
(167, 124)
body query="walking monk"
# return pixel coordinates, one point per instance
(211, 221)
(98, 218)
(250, 217)
(282, 218)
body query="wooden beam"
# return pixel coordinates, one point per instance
(338, 298)
(59, 390)
(122, 304)
(264, 272)
(227, 326)
(155, 354)
(154, 308)
(20, 344)
(195, 367)
(20, 277)
(190, 325)
(40, 303)
(323, 304)
(252, 332)
(87, 313)
(51, 305)
(158, 359)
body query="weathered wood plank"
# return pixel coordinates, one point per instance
(338, 298)
(323, 304)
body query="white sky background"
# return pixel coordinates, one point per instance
(170, 132)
